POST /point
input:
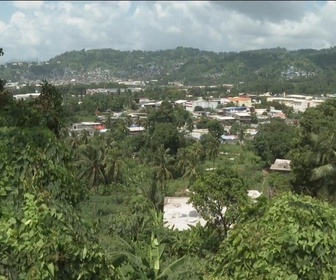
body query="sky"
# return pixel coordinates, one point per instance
(31, 30)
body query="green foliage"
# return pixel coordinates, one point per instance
(165, 134)
(42, 236)
(261, 70)
(146, 263)
(312, 153)
(34, 156)
(274, 140)
(46, 239)
(215, 128)
(219, 197)
(44, 111)
(289, 237)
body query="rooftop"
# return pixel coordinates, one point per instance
(179, 214)
(281, 165)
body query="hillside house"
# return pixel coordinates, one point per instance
(281, 165)
(243, 117)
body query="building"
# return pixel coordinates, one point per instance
(133, 130)
(91, 127)
(212, 104)
(241, 101)
(230, 111)
(26, 96)
(243, 117)
(179, 214)
(298, 102)
(281, 165)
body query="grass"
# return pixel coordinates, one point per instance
(243, 161)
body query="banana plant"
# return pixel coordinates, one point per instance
(138, 264)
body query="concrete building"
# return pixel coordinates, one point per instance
(190, 105)
(91, 127)
(241, 101)
(281, 165)
(179, 214)
(243, 117)
(26, 96)
(298, 102)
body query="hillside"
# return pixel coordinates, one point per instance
(186, 65)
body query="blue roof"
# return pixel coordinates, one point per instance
(235, 108)
(229, 137)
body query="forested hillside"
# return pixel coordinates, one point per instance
(276, 69)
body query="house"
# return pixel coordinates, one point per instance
(229, 139)
(26, 96)
(241, 101)
(281, 165)
(91, 127)
(243, 117)
(133, 130)
(179, 214)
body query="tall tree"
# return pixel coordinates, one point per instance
(284, 238)
(92, 164)
(219, 197)
(162, 165)
(315, 121)
(274, 140)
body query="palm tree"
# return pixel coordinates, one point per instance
(91, 160)
(214, 150)
(74, 140)
(84, 136)
(324, 156)
(113, 163)
(182, 160)
(161, 163)
(190, 124)
(193, 169)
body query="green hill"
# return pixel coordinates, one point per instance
(188, 65)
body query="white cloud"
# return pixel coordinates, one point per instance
(27, 5)
(46, 29)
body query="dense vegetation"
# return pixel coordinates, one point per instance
(75, 206)
(277, 70)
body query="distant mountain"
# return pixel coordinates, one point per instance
(186, 65)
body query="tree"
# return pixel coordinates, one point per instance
(284, 238)
(193, 163)
(274, 140)
(198, 109)
(216, 129)
(214, 150)
(162, 166)
(306, 153)
(165, 134)
(182, 160)
(42, 236)
(211, 145)
(219, 197)
(49, 104)
(113, 163)
(92, 163)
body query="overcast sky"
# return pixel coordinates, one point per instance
(43, 29)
